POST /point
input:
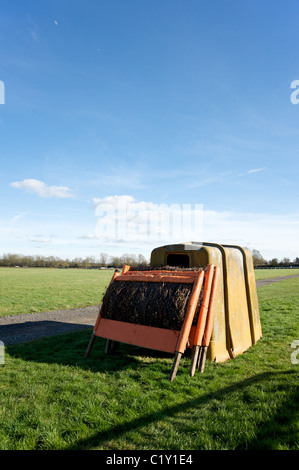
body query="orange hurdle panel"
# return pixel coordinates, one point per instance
(138, 335)
(160, 339)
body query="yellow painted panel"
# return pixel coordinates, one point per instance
(236, 321)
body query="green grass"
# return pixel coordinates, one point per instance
(32, 290)
(269, 273)
(51, 398)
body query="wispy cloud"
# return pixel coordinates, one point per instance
(269, 233)
(255, 170)
(19, 216)
(42, 189)
(199, 183)
(90, 236)
(34, 36)
(273, 234)
(125, 219)
(40, 240)
(122, 178)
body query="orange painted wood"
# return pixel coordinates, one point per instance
(157, 278)
(151, 337)
(191, 308)
(163, 271)
(202, 317)
(210, 317)
(139, 335)
(115, 275)
(125, 269)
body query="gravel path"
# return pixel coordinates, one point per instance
(265, 282)
(27, 327)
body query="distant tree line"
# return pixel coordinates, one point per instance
(104, 261)
(259, 260)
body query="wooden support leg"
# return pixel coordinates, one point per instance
(175, 366)
(199, 357)
(203, 357)
(111, 346)
(194, 360)
(108, 345)
(90, 345)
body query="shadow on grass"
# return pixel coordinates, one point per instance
(20, 332)
(69, 350)
(280, 431)
(268, 436)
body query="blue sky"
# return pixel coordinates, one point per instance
(156, 102)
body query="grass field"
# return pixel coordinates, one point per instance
(33, 290)
(51, 398)
(269, 273)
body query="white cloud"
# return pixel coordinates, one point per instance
(17, 217)
(42, 189)
(146, 225)
(256, 170)
(274, 235)
(123, 220)
(40, 240)
(90, 236)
